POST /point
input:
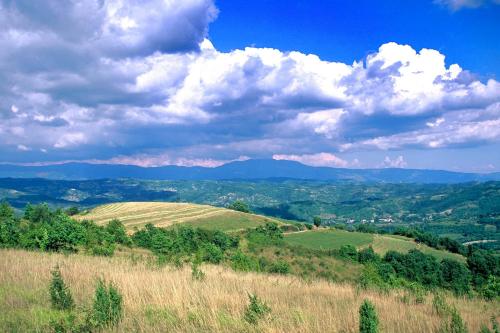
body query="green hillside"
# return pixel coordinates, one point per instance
(330, 239)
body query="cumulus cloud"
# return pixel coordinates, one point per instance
(398, 162)
(118, 78)
(319, 159)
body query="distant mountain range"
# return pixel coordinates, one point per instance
(241, 170)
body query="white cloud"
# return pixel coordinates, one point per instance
(319, 159)
(398, 162)
(116, 74)
(459, 4)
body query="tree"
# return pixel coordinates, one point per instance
(317, 221)
(239, 206)
(368, 319)
(60, 296)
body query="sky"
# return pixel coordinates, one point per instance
(354, 84)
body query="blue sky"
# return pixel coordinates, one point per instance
(356, 84)
(340, 30)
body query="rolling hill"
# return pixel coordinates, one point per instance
(164, 214)
(327, 239)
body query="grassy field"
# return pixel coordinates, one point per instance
(165, 214)
(383, 243)
(168, 300)
(329, 239)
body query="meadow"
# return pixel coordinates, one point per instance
(164, 214)
(161, 299)
(333, 239)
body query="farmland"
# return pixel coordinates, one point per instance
(331, 239)
(164, 214)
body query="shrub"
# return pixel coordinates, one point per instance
(60, 295)
(280, 267)
(211, 253)
(368, 255)
(491, 289)
(455, 324)
(108, 305)
(368, 319)
(348, 252)
(256, 310)
(243, 262)
(317, 221)
(118, 232)
(239, 206)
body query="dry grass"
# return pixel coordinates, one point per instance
(168, 300)
(164, 214)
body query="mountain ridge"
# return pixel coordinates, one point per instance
(241, 170)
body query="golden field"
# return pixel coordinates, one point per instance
(167, 299)
(164, 214)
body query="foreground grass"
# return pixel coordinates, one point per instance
(168, 300)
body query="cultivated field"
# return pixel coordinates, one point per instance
(164, 214)
(328, 239)
(168, 300)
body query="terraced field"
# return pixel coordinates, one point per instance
(329, 239)
(164, 214)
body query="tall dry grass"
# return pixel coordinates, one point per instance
(168, 300)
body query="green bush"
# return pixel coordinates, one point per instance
(107, 308)
(491, 289)
(211, 253)
(243, 262)
(368, 319)
(60, 295)
(280, 267)
(454, 324)
(256, 310)
(348, 252)
(239, 206)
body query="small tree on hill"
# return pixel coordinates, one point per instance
(368, 319)
(317, 221)
(60, 296)
(239, 206)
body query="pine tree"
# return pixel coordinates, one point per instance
(368, 319)
(60, 296)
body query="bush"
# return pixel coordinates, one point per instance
(239, 206)
(317, 221)
(108, 305)
(243, 262)
(368, 255)
(368, 319)
(348, 252)
(455, 324)
(60, 295)
(211, 253)
(491, 289)
(280, 267)
(118, 232)
(256, 310)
